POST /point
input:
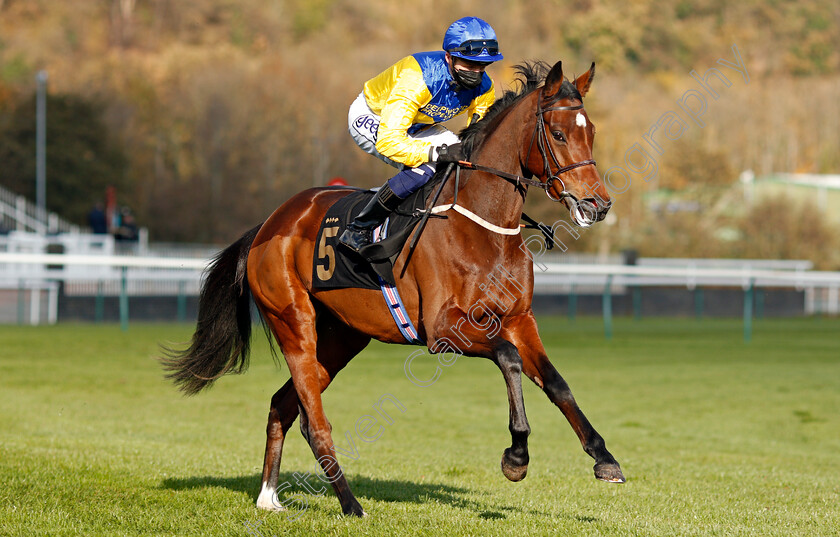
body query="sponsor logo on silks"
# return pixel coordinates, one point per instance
(440, 112)
(368, 123)
(331, 220)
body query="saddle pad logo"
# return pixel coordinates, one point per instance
(325, 263)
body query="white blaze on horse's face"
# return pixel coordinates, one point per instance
(580, 120)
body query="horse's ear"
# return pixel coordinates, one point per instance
(554, 79)
(583, 82)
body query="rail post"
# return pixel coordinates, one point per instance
(124, 299)
(698, 303)
(606, 302)
(749, 291)
(21, 304)
(99, 304)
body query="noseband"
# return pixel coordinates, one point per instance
(543, 144)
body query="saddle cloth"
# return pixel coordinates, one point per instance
(335, 266)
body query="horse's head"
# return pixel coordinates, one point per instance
(559, 153)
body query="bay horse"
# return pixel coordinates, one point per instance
(530, 137)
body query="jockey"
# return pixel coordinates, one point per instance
(396, 117)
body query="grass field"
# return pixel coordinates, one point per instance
(716, 437)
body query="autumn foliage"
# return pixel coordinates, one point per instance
(208, 114)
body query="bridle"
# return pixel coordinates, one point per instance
(546, 150)
(541, 136)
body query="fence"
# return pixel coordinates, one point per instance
(124, 276)
(38, 277)
(564, 278)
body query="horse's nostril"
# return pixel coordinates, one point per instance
(596, 207)
(598, 202)
(591, 205)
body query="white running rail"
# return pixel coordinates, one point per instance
(39, 271)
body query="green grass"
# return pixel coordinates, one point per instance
(716, 437)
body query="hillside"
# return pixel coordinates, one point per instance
(208, 114)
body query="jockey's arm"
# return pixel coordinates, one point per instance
(398, 115)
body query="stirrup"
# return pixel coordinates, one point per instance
(356, 239)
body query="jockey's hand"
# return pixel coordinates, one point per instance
(447, 153)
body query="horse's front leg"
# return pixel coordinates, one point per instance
(515, 458)
(536, 365)
(477, 339)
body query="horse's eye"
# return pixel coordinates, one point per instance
(558, 135)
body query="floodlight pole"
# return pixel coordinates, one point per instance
(40, 145)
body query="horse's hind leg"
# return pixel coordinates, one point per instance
(538, 368)
(296, 333)
(281, 415)
(337, 345)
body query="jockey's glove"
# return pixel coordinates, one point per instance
(446, 153)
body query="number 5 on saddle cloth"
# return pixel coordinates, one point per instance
(334, 267)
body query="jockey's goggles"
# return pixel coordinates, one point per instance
(473, 47)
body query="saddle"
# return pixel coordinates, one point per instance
(337, 267)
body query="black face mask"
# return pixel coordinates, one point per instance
(467, 79)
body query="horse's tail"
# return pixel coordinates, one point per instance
(221, 342)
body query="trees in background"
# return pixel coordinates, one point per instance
(223, 110)
(83, 156)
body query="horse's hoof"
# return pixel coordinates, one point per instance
(355, 510)
(513, 472)
(275, 507)
(609, 472)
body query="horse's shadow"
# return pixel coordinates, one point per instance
(385, 490)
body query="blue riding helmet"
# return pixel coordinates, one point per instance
(472, 39)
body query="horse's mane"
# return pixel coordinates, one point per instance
(530, 75)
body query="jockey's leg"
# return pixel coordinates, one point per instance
(410, 180)
(364, 125)
(359, 232)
